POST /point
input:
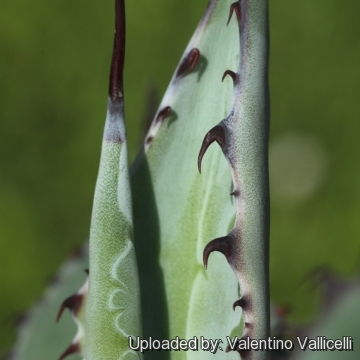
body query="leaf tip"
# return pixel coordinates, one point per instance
(117, 62)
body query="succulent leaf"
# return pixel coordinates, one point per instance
(113, 308)
(40, 337)
(176, 210)
(77, 306)
(243, 137)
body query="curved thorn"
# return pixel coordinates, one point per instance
(72, 349)
(117, 62)
(222, 244)
(234, 6)
(149, 140)
(72, 303)
(241, 302)
(189, 62)
(163, 113)
(60, 312)
(217, 134)
(230, 73)
(193, 58)
(235, 193)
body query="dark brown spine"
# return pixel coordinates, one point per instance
(118, 57)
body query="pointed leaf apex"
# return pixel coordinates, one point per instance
(117, 63)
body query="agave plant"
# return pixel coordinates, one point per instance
(154, 226)
(178, 216)
(177, 212)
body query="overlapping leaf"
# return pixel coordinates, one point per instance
(177, 211)
(40, 337)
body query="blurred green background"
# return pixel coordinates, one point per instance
(54, 61)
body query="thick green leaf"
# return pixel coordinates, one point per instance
(113, 310)
(40, 337)
(177, 211)
(113, 307)
(244, 141)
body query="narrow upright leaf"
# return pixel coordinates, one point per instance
(177, 210)
(243, 137)
(113, 309)
(39, 336)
